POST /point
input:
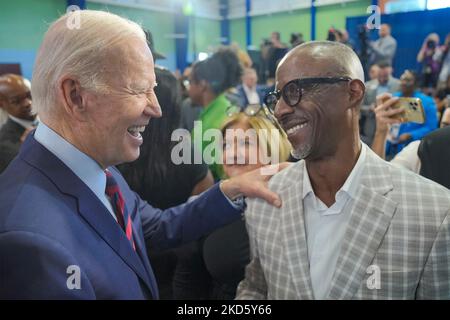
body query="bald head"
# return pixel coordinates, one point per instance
(15, 97)
(331, 59)
(11, 82)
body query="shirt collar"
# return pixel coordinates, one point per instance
(86, 168)
(27, 124)
(248, 89)
(351, 184)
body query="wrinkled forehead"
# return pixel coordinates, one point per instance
(305, 65)
(132, 62)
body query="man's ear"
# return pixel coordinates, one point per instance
(72, 98)
(357, 90)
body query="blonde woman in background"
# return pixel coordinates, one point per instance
(216, 268)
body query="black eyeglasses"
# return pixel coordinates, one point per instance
(292, 91)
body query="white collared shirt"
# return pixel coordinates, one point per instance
(27, 124)
(84, 167)
(325, 227)
(252, 94)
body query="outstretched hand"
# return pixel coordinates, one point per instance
(254, 184)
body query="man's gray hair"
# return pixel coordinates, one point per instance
(80, 52)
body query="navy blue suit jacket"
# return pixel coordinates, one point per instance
(50, 220)
(243, 100)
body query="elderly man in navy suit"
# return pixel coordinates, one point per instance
(70, 227)
(250, 92)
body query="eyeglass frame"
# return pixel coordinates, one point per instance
(300, 82)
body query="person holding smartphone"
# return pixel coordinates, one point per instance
(400, 135)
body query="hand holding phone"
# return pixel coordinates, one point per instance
(385, 113)
(413, 110)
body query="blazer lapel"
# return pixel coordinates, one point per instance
(370, 216)
(294, 235)
(90, 207)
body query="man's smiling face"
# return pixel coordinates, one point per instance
(116, 120)
(314, 125)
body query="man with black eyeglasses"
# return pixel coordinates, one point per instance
(352, 225)
(15, 105)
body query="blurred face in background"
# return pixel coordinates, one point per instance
(275, 37)
(235, 149)
(385, 30)
(250, 78)
(195, 90)
(373, 72)
(15, 97)
(407, 82)
(384, 75)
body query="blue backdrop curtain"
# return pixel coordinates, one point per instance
(80, 3)
(409, 29)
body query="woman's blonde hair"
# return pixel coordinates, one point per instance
(82, 50)
(267, 133)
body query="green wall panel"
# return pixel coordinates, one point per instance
(161, 24)
(285, 22)
(204, 35)
(238, 32)
(335, 15)
(24, 22)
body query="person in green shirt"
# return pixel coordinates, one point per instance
(209, 80)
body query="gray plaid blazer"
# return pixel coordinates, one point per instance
(399, 222)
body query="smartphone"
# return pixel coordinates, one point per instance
(413, 110)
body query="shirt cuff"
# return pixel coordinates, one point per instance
(238, 203)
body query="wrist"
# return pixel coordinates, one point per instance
(381, 132)
(231, 189)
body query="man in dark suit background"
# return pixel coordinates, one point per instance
(70, 226)
(15, 104)
(249, 92)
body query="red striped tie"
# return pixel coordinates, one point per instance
(119, 207)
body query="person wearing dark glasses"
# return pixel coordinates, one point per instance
(352, 226)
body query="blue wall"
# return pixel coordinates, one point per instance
(409, 29)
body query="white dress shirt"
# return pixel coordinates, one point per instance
(408, 158)
(325, 227)
(27, 124)
(252, 94)
(83, 166)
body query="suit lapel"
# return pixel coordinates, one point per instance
(90, 207)
(370, 216)
(294, 235)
